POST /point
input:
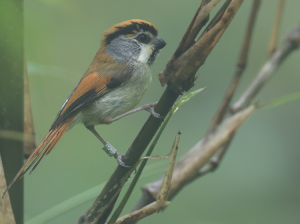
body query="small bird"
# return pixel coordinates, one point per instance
(111, 87)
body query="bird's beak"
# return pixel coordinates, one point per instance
(159, 43)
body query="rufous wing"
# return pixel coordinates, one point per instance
(90, 89)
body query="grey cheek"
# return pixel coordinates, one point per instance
(123, 50)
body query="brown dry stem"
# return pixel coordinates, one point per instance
(240, 67)
(267, 71)
(6, 213)
(181, 78)
(291, 43)
(274, 36)
(162, 196)
(29, 140)
(225, 104)
(187, 169)
(103, 207)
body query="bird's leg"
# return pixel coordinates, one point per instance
(108, 148)
(148, 107)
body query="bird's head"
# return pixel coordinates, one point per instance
(132, 41)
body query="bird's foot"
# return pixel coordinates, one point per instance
(111, 151)
(150, 108)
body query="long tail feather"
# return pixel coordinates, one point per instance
(44, 148)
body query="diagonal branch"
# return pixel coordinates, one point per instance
(187, 168)
(181, 73)
(225, 104)
(162, 196)
(188, 39)
(240, 67)
(290, 44)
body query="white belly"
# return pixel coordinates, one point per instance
(117, 101)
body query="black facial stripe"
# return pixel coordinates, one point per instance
(152, 57)
(130, 29)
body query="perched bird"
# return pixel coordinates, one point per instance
(111, 87)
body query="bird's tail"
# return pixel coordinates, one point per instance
(44, 148)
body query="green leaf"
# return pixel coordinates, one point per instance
(67, 205)
(282, 100)
(184, 99)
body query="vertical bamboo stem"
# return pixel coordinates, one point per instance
(12, 96)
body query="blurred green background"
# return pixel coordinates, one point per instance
(258, 181)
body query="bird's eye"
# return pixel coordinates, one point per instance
(143, 38)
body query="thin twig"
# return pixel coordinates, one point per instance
(264, 75)
(140, 170)
(274, 36)
(193, 58)
(217, 158)
(217, 17)
(201, 20)
(188, 41)
(162, 197)
(188, 38)
(224, 106)
(290, 44)
(187, 168)
(181, 78)
(241, 66)
(180, 49)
